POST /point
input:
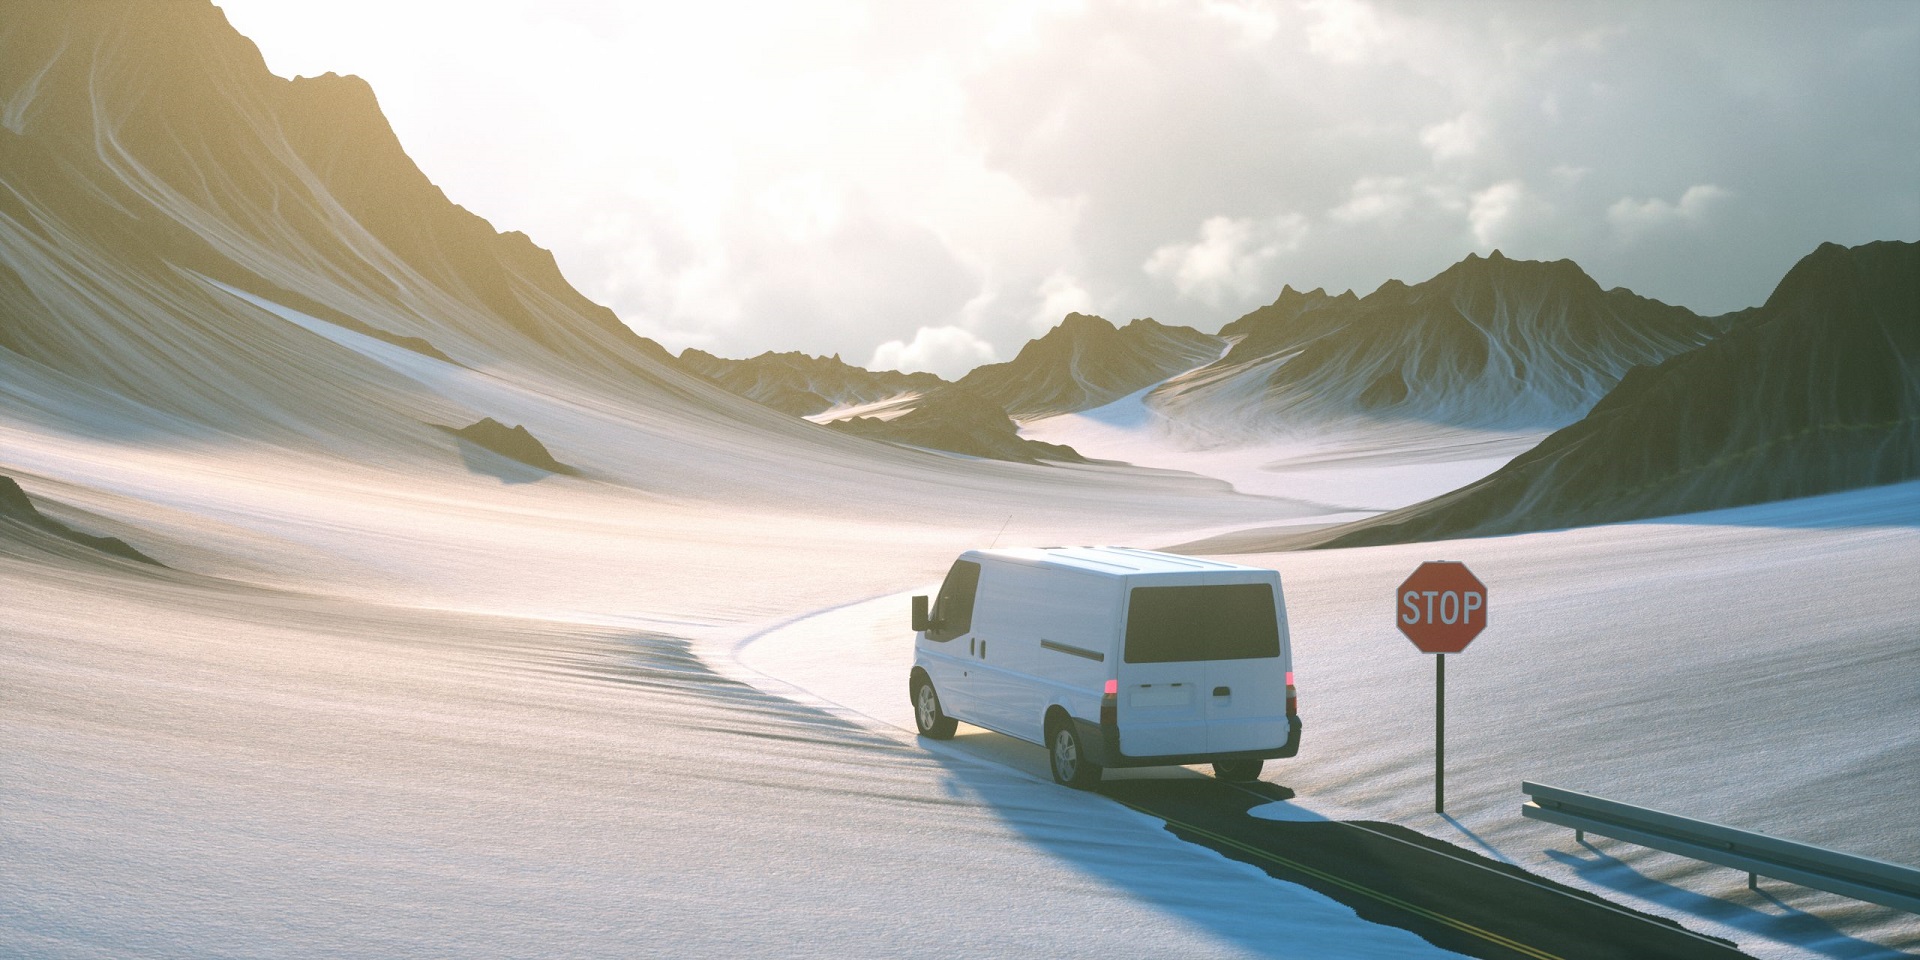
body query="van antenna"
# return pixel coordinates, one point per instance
(1003, 529)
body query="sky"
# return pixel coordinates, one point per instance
(929, 185)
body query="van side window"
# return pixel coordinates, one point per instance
(1230, 621)
(953, 608)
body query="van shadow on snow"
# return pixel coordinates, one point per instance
(1039, 812)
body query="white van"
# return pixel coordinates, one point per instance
(1110, 657)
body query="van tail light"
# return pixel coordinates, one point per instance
(1110, 704)
(1293, 696)
(1113, 686)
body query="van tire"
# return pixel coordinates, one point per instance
(1237, 771)
(1067, 755)
(927, 715)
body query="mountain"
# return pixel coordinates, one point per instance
(1086, 362)
(167, 194)
(1489, 342)
(958, 420)
(801, 385)
(1817, 390)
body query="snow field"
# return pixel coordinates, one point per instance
(1722, 666)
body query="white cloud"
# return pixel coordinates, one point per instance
(828, 175)
(1375, 199)
(1460, 137)
(1343, 31)
(1495, 212)
(1634, 217)
(1060, 294)
(947, 351)
(1231, 256)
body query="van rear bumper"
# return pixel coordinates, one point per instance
(1102, 740)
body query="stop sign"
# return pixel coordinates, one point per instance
(1442, 607)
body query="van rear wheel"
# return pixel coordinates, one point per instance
(927, 715)
(1067, 755)
(1238, 771)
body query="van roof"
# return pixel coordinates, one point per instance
(1111, 561)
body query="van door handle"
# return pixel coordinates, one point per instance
(1223, 691)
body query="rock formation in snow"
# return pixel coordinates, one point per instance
(801, 385)
(21, 520)
(515, 442)
(1816, 391)
(959, 420)
(1489, 342)
(1086, 361)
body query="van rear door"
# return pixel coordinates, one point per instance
(1246, 688)
(1160, 711)
(1202, 670)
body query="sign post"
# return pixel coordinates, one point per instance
(1441, 608)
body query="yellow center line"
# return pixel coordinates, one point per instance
(1342, 882)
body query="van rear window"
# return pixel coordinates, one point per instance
(1231, 621)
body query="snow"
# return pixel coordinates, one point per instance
(435, 709)
(1351, 468)
(393, 701)
(1752, 667)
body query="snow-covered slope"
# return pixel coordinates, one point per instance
(804, 385)
(1815, 391)
(147, 147)
(1488, 343)
(1753, 667)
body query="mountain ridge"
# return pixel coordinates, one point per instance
(1813, 392)
(1488, 342)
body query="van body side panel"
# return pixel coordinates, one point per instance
(994, 677)
(1068, 637)
(1047, 634)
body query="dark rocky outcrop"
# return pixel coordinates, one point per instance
(1816, 391)
(17, 508)
(514, 442)
(956, 419)
(1086, 361)
(801, 385)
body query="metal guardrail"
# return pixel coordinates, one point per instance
(1862, 878)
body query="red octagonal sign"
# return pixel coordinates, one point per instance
(1442, 607)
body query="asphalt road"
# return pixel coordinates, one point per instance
(1453, 898)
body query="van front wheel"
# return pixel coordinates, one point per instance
(927, 716)
(1068, 757)
(1237, 771)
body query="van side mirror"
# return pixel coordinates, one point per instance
(920, 621)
